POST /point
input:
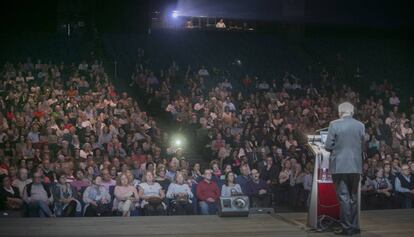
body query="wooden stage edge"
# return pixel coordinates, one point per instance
(388, 223)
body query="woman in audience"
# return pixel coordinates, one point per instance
(196, 172)
(64, 196)
(180, 195)
(230, 188)
(152, 195)
(126, 196)
(161, 178)
(9, 196)
(80, 183)
(131, 178)
(227, 169)
(97, 199)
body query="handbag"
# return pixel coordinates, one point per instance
(154, 201)
(181, 200)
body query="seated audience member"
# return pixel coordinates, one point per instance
(367, 192)
(161, 177)
(230, 188)
(243, 178)
(383, 189)
(38, 197)
(97, 199)
(283, 188)
(258, 191)
(307, 184)
(196, 173)
(9, 196)
(107, 180)
(180, 195)
(227, 169)
(152, 196)
(388, 174)
(404, 186)
(296, 187)
(270, 173)
(173, 166)
(22, 180)
(126, 196)
(64, 196)
(81, 182)
(208, 194)
(131, 179)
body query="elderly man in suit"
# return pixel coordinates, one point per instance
(345, 142)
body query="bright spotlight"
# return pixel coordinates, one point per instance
(174, 14)
(178, 142)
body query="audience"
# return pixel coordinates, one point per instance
(64, 126)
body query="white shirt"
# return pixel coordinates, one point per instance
(179, 188)
(151, 190)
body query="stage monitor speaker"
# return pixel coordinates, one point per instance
(234, 206)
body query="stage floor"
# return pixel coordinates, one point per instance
(374, 223)
(387, 223)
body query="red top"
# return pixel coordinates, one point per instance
(207, 190)
(10, 115)
(38, 114)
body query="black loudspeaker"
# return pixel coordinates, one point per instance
(234, 206)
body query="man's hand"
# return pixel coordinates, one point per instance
(210, 200)
(94, 203)
(262, 191)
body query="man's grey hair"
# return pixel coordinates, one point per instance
(346, 109)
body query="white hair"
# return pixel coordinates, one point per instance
(345, 109)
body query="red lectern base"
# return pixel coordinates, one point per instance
(327, 201)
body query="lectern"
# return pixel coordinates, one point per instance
(323, 200)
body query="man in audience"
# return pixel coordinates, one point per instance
(404, 185)
(243, 178)
(208, 194)
(107, 180)
(38, 197)
(258, 191)
(22, 180)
